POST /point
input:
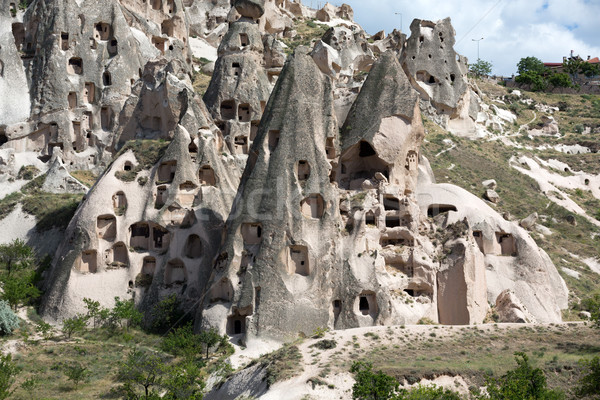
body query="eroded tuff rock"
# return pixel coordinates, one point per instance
(439, 73)
(149, 227)
(81, 60)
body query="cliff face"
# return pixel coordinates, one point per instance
(292, 196)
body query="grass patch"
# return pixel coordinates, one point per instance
(281, 364)
(88, 178)
(308, 32)
(147, 153)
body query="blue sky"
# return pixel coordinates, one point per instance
(512, 29)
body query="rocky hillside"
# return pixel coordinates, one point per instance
(279, 171)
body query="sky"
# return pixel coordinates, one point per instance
(511, 29)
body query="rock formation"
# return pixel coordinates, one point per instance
(290, 198)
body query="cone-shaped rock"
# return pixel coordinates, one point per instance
(272, 276)
(383, 131)
(250, 8)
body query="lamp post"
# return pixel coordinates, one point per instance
(477, 40)
(400, 14)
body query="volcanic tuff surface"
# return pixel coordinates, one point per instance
(293, 196)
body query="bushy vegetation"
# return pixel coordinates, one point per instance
(480, 68)
(533, 72)
(8, 319)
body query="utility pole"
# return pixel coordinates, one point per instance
(400, 14)
(477, 40)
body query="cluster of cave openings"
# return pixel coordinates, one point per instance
(106, 118)
(161, 197)
(252, 233)
(64, 41)
(166, 171)
(236, 323)
(88, 261)
(18, 31)
(298, 260)
(75, 66)
(106, 227)
(145, 237)
(221, 291)
(313, 206)
(241, 144)
(412, 161)
(244, 40)
(330, 148)
(273, 139)
(236, 69)
(366, 304)
(228, 109)
(119, 203)
(175, 273)
(244, 112)
(187, 193)
(103, 31)
(436, 209)
(391, 205)
(303, 170)
(508, 244)
(89, 91)
(72, 100)
(193, 246)
(206, 176)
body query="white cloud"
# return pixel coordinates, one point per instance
(512, 29)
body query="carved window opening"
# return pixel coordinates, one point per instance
(273, 139)
(106, 227)
(244, 41)
(166, 171)
(313, 206)
(298, 262)
(64, 41)
(103, 31)
(508, 244)
(228, 109)
(89, 92)
(330, 148)
(193, 246)
(106, 78)
(303, 170)
(88, 261)
(252, 233)
(72, 100)
(106, 118)
(175, 273)
(412, 161)
(161, 197)
(206, 176)
(75, 66)
(366, 304)
(436, 209)
(244, 113)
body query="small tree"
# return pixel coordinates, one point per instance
(210, 338)
(481, 68)
(183, 342)
(93, 310)
(371, 385)
(589, 384)
(125, 313)
(524, 382)
(531, 64)
(16, 255)
(74, 325)
(141, 369)
(44, 329)
(76, 373)
(8, 371)
(20, 289)
(560, 80)
(592, 304)
(8, 319)
(182, 381)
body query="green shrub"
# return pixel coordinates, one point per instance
(325, 344)
(371, 385)
(589, 384)
(8, 319)
(28, 172)
(8, 371)
(427, 393)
